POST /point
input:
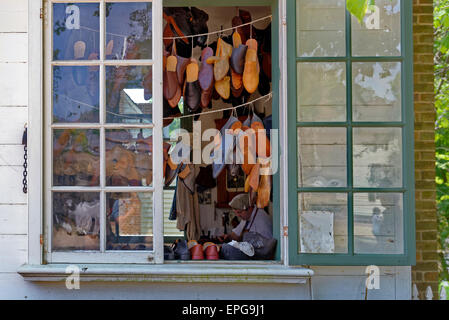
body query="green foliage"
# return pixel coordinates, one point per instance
(441, 48)
(358, 8)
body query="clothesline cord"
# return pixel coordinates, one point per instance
(220, 31)
(267, 96)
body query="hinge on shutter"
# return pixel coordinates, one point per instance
(43, 12)
(41, 239)
(285, 231)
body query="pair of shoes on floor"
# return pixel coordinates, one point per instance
(198, 252)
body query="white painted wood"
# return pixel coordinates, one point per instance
(13, 47)
(13, 219)
(13, 252)
(415, 295)
(158, 198)
(11, 155)
(443, 294)
(403, 281)
(14, 287)
(35, 138)
(11, 188)
(12, 120)
(351, 288)
(14, 86)
(429, 293)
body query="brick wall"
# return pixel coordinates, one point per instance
(425, 272)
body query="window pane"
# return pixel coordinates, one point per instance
(76, 157)
(129, 157)
(76, 221)
(321, 91)
(378, 223)
(380, 32)
(377, 157)
(323, 222)
(128, 30)
(320, 28)
(129, 94)
(322, 157)
(376, 91)
(129, 221)
(76, 31)
(76, 94)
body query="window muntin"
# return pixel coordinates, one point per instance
(375, 122)
(102, 117)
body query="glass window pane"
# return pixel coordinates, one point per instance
(128, 30)
(323, 222)
(377, 157)
(129, 221)
(322, 157)
(320, 28)
(321, 91)
(378, 223)
(380, 32)
(376, 91)
(76, 94)
(129, 157)
(76, 157)
(76, 31)
(129, 94)
(76, 221)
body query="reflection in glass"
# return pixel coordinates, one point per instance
(129, 94)
(76, 94)
(76, 31)
(380, 32)
(76, 221)
(377, 157)
(129, 221)
(378, 223)
(376, 91)
(320, 28)
(128, 30)
(76, 157)
(321, 91)
(323, 222)
(129, 157)
(322, 157)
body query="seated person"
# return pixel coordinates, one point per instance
(253, 220)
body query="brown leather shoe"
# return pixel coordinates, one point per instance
(181, 69)
(223, 87)
(211, 251)
(170, 78)
(192, 95)
(197, 252)
(206, 97)
(252, 69)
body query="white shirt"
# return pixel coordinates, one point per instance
(262, 224)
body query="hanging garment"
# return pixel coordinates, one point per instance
(187, 206)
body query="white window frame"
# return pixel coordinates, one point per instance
(38, 268)
(103, 256)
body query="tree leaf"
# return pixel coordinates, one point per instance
(358, 8)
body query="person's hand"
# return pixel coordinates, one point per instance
(223, 238)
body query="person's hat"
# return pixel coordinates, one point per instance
(240, 202)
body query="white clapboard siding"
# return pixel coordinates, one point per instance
(13, 252)
(11, 186)
(13, 219)
(14, 86)
(13, 16)
(11, 155)
(12, 120)
(13, 47)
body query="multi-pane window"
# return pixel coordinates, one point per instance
(104, 125)
(352, 133)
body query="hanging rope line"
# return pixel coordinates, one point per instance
(220, 31)
(267, 96)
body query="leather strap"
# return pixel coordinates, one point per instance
(173, 24)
